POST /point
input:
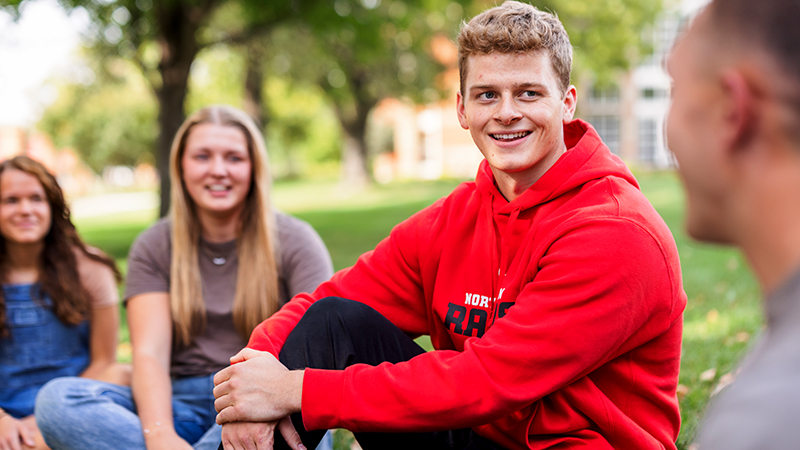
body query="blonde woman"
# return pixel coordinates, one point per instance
(198, 283)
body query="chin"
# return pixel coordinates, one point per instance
(707, 232)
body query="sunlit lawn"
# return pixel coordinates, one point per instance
(721, 319)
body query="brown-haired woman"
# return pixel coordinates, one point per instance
(198, 283)
(59, 312)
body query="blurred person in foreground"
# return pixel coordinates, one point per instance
(59, 305)
(198, 282)
(734, 126)
(550, 288)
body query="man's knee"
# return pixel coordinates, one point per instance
(337, 312)
(323, 337)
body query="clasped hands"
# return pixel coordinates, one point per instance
(255, 395)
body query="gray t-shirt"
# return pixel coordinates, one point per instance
(305, 263)
(761, 409)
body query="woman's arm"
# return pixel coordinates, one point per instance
(150, 324)
(103, 339)
(100, 285)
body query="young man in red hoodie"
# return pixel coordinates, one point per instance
(550, 288)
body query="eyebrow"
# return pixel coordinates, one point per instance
(533, 85)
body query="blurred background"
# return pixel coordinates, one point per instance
(356, 99)
(363, 90)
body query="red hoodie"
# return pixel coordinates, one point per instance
(556, 317)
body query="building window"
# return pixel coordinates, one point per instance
(653, 93)
(608, 128)
(648, 141)
(604, 95)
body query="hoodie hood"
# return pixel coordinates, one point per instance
(572, 170)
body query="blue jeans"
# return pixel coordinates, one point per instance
(78, 413)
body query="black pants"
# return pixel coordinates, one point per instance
(335, 333)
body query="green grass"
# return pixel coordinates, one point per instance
(722, 315)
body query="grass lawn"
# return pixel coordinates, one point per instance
(722, 316)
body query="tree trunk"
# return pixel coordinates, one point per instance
(355, 154)
(170, 118)
(355, 170)
(254, 83)
(179, 47)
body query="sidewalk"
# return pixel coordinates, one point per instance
(113, 203)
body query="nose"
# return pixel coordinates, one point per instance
(507, 111)
(25, 206)
(218, 166)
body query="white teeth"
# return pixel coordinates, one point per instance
(510, 136)
(218, 187)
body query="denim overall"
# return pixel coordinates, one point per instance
(39, 348)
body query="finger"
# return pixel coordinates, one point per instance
(245, 354)
(223, 376)
(290, 434)
(27, 435)
(227, 415)
(223, 402)
(226, 440)
(221, 389)
(14, 444)
(240, 443)
(232, 444)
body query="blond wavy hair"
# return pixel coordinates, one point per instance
(257, 295)
(515, 27)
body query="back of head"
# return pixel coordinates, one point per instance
(769, 27)
(515, 27)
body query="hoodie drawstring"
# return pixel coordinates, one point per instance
(505, 245)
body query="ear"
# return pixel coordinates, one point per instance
(570, 102)
(462, 113)
(738, 115)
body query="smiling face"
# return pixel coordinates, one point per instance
(515, 111)
(25, 216)
(217, 169)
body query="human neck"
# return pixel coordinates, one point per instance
(219, 228)
(774, 252)
(23, 262)
(514, 184)
(769, 214)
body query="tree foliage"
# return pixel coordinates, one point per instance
(362, 51)
(607, 34)
(110, 122)
(356, 52)
(164, 37)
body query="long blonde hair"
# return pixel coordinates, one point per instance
(257, 278)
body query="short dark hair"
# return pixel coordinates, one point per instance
(771, 25)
